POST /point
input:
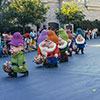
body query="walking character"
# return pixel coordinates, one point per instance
(48, 47)
(18, 59)
(80, 41)
(70, 41)
(53, 53)
(41, 58)
(63, 45)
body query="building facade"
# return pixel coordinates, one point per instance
(92, 10)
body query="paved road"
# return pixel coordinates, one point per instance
(74, 80)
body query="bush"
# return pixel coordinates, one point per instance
(86, 24)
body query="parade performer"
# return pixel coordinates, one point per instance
(80, 41)
(48, 47)
(18, 59)
(63, 45)
(70, 41)
(41, 58)
(53, 52)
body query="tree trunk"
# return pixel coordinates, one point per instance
(23, 29)
(38, 27)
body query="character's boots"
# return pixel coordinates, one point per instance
(25, 73)
(50, 66)
(64, 57)
(56, 65)
(82, 50)
(12, 74)
(77, 51)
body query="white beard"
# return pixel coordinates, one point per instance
(80, 42)
(63, 46)
(45, 50)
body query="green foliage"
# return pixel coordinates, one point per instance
(24, 12)
(86, 24)
(70, 12)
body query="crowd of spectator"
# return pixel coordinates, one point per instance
(30, 40)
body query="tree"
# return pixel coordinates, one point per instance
(70, 12)
(24, 12)
(4, 23)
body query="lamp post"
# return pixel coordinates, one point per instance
(85, 3)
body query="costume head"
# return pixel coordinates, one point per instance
(17, 43)
(17, 40)
(63, 39)
(79, 31)
(43, 36)
(63, 35)
(47, 42)
(53, 37)
(80, 36)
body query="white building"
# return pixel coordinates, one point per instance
(92, 12)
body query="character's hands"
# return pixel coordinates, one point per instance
(20, 67)
(56, 55)
(69, 41)
(66, 52)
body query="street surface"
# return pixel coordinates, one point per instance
(79, 79)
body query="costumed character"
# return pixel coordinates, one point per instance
(80, 41)
(48, 47)
(51, 47)
(63, 45)
(18, 59)
(41, 58)
(70, 41)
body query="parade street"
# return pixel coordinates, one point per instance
(78, 79)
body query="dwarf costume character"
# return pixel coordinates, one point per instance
(18, 59)
(80, 41)
(53, 52)
(63, 45)
(41, 49)
(48, 47)
(70, 41)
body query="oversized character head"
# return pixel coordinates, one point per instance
(49, 44)
(16, 44)
(63, 39)
(80, 36)
(79, 31)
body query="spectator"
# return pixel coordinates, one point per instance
(8, 39)
(32, 34)
(4, 50)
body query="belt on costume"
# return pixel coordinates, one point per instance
(14, 64)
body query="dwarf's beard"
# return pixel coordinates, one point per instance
(80, 41)
(45, 50)
(63, 46)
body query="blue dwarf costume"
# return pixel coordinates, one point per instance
(80, 41)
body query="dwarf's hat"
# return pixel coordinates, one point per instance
(53, 37)
(17, 40)
(43, 36)
(63, 35)
(79, 31)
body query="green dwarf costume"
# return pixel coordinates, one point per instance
(64, 36)
(18, 59)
